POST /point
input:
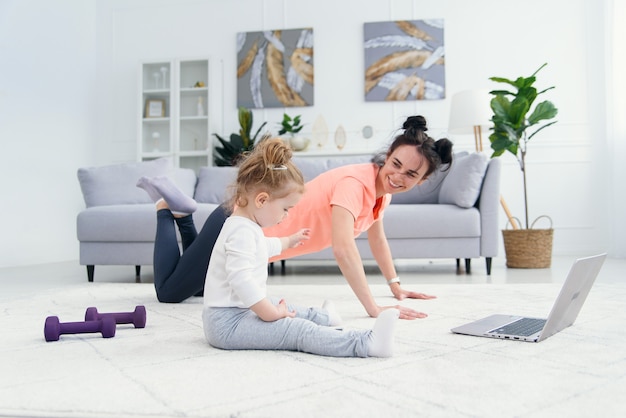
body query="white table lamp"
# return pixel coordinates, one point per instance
(470, 111)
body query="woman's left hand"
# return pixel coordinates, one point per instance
(400, 293)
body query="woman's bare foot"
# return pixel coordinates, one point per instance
(162, 204)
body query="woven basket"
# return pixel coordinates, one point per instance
(528, 248)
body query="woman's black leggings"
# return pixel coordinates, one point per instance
(178, 277)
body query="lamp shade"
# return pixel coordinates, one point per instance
(469, 108)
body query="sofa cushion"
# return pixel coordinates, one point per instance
(117, 223)
(311, 167)
(431, 221)
(213, 184)
(427, 192)
(127, 223)
(462, 185)
(116, 184)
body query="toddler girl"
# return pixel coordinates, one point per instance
(237, 314)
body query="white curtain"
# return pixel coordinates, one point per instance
(616, 123)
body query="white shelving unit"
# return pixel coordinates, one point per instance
(173, 111)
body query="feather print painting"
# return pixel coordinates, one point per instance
(275, 68)
(404, 60)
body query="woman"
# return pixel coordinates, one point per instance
(346, 201)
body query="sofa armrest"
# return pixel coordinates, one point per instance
(489, 206)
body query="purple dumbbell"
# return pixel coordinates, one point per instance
(53, 328)
(137, 317)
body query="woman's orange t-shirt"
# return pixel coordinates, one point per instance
(352, 187)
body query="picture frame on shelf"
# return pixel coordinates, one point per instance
(155, 108)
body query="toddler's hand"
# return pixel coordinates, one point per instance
(284, 311)
(297, 238)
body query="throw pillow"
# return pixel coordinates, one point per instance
(116, 184)
(462, 185)
(213, 184)
(427, 192)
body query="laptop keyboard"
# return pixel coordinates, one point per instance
(523, 327)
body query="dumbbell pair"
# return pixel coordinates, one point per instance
(104, 323)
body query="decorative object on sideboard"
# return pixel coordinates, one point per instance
(367, 132)
(290, 127)
(340, 137)
(320, 132)
(526, 247)
(228, 153)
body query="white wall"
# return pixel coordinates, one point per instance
(102, 42)
(47, 125)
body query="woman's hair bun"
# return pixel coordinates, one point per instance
(415, 122)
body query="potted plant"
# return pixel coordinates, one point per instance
(228, 153)
(515, 122)
(292, 126)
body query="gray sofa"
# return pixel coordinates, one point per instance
(454, 214)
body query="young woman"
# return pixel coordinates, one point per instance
(237, 314)
(346, 201)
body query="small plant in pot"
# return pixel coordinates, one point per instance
(229, 152)
(291, 127)
(515, 122)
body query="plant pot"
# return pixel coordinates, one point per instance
(299, 143)
(528, 248)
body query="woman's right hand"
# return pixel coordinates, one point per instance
(405, 313)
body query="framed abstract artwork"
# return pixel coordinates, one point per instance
(275, 68)
(404, 60)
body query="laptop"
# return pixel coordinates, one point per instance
(563, 314)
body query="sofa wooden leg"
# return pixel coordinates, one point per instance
(282, 267)
(468, 265)
(270, 269)
(488, 261)
(90, 271)
(137, 274)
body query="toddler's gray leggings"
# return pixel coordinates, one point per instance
(242, 329)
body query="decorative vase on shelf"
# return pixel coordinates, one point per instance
(340, 137)
(200, 107)
(320, 131)
(157, 77)
(299, 143)
(164, 73)
(155, 140)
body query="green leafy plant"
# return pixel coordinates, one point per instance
(513, 127)
(290, 125)
(229, 152)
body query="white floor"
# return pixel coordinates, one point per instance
(168, 370)
(26, 280)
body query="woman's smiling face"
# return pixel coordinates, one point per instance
(404, 169)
